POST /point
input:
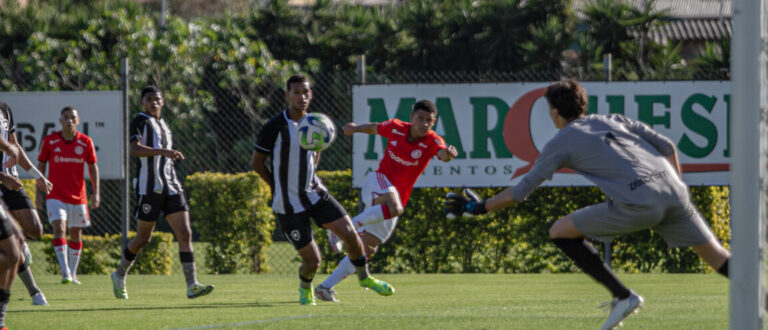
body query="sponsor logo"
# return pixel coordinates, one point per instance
(394, 131)
(400, 160)
(79, 150)
(59, 159)
(295, 235)
(416, 154)
(146, 208)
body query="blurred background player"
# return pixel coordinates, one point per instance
(298, 194)
(386, 191)
(11, 242)
(637, 169)
(18, 202)
(67, 204)
(159, 192)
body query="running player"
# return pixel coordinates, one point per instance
(637, 169)
(10, 245)
(159, 192)
(298, 194)
(386, 191)
(18, 202)
(67, 205)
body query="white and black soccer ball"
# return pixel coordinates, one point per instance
(315, 131)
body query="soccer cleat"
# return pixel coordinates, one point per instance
(38, 299)
(620, 309)
(118, 286)
(198, 290)
(66, 280)
(306, 297)
(75, 281)
(337, 245)
(325, 294)
(381, 287)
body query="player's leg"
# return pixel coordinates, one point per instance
(24, 212)
(144, 231)
(345, 268)
(79, 219)
(180, 224)
(10, 259)
(57, 218)
(310, 262)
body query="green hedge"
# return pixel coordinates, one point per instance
(101, 254)
(232, 213)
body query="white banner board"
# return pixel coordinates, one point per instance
(500, 128)
(37, 114)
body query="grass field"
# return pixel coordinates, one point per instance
(461, 301)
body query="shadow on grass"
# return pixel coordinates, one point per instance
(159, 308)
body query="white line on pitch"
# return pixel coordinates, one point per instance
(277, 319)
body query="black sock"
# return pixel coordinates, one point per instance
(723, 270)
(361, 266)
(5, 296)
(306, 283)
(585, 256)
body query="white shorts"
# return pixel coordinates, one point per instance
(377, 184)
(75, 215)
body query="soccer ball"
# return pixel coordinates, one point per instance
(315, 132)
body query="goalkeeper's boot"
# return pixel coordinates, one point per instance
(306, 297)
(381, 287)
(337, 245)
(118, 286)
(621, 308)
(326, 294)
(198, 290)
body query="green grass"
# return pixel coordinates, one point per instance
(462, 301)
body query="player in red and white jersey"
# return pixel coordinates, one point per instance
(67, 204)
(410, 147)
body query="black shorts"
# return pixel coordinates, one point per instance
(150, 206)
(16, 199)
(6, 224)
(297, 228)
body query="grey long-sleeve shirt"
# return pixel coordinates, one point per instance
(625, 158)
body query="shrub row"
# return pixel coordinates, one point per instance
(233, 212)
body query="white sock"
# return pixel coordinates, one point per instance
(60, 247)
(373, 214)
(73, 258)
(344, 269)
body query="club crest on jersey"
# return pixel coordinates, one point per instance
(295, 235)
(416, 154)
(146, 208)
(79, 150)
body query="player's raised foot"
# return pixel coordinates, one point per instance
(198, 290)
(66, 280)
(621, 308)
(381, 287)
(337, 245)
(38, 299)
(118, 286)
(325, 294)
(306, 297)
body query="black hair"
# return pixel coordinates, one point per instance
(297, 78)
(424, 105)
(67, 108)
(149, 90)
(568, 97)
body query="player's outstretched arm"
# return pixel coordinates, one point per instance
(367, 128)
(447, 154)
(470, 204)
(140, 150)
(93, 171)
(22, 159)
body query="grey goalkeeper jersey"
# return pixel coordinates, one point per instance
(625, 158)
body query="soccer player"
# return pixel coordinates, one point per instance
(386, 191)
(159, 191)
(67, 204)
(637, 169)
(17, 200)
(298, 194)
(11, 242)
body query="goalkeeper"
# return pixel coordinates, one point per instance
(637, 169)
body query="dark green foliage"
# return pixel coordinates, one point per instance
(101, 254)
(232, 213)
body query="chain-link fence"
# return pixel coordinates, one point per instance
(217, 131)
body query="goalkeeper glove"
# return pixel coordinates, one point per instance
(459, 206)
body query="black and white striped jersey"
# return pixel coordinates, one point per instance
(293, 168)
(155, 173)
(7, 127)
